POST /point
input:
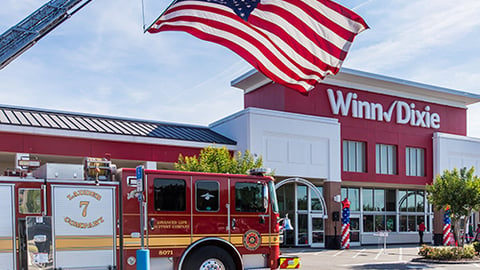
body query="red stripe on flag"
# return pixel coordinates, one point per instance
(298, 24)
(345, 12)
(325, 21)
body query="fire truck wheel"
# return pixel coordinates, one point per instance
(210, 258)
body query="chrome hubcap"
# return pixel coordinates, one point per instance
(212, 264)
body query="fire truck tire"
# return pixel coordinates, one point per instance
(209, 257)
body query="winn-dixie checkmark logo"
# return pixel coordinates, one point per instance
(406, 114)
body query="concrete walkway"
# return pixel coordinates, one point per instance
(371, 257)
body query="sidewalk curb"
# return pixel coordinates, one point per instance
(423, 260)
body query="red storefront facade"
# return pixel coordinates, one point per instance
(359, 122)
(387, 131)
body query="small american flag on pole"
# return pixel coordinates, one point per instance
(295, 43)
(447, 225)
(345, 241)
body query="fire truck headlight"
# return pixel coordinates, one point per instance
(131, 260)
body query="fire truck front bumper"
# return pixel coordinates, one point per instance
(289, 262)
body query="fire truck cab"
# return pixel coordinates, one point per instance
(198, 219)
(91, 216)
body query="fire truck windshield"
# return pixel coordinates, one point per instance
(273, 196)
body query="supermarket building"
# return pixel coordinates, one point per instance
(374, 139)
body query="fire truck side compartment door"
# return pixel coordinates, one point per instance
(169, 217)
(211, 202)
(252, 231)
(7, 225)
(84, 226)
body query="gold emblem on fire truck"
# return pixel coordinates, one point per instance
(252, 240)
(83, 205)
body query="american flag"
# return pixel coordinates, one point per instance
(345, 241)
(447, 225)
(295, 43)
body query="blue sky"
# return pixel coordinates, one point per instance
(101, 62)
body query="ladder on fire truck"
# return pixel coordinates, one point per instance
(27, 32)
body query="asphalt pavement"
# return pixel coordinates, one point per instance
(371, 257)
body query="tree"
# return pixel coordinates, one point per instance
(460, 190)
(219, 160)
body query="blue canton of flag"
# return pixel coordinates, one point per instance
(446, 217)
(242, 8)
(346, 215)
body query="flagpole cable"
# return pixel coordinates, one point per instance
(143, 16)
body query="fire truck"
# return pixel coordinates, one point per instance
(93, 216)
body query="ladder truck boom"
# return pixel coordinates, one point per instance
(27, 32)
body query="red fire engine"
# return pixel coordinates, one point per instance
(89, 216)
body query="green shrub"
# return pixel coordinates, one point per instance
(476, 246)
(448, 253)
(469, 251)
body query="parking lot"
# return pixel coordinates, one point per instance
(371, 257)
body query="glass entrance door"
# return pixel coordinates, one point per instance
(355, 230)
(305, 208)
(318, 231)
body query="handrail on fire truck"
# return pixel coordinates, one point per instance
(27, 32)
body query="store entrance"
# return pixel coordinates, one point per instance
(305, 206)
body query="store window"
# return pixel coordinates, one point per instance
(302, 197)
(415, 161)
(368, 223)
(386, 159)
(379, 222)
(316, 203)
(379, 211)
(354, 156)
(409, 223)
(286, 198)
(379, 200)
(367, 195)
(286, 204)
(374, 199)
(353, 195)
(411, 201)
(390, 200)
(411, 204)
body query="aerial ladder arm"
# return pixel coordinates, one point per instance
(26, 33)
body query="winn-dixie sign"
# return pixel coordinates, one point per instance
(405, 113)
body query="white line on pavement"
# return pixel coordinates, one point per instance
(380, 252)
(358, 253)
(338, 253)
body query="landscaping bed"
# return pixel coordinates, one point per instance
(467, 253)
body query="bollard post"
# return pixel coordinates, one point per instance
(143, 259)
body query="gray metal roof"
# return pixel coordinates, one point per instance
(27, 117)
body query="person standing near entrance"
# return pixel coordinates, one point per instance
(421, 229)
